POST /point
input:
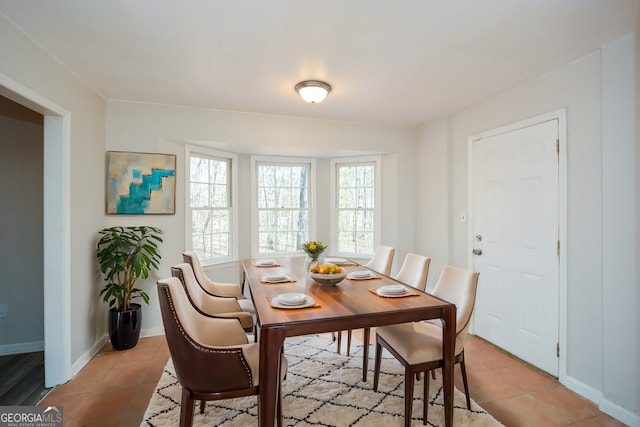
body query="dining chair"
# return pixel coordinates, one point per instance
(208, 304)
(218, 289)
(414, 272)
(380, 262)
(212, 358)
(418, 345)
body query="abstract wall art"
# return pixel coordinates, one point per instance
(141, 183)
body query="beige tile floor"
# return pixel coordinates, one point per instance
(114, 388)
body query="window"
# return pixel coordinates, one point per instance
(356, 213)
(283, 205)
(210, 215)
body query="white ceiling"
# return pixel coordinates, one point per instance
(389, 61)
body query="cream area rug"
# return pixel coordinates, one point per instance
(322, 388)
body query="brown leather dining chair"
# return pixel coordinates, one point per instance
(209, 304)
(218, 289)
(418, 345)
(211, 356)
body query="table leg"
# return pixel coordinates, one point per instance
(365, 354)
(448, 351)
(271, 342)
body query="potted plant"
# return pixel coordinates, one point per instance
(126, 254)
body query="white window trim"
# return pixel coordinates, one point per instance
(254, 198)
(233, 241)
(377, 211)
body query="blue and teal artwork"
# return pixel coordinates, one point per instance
(140, 183)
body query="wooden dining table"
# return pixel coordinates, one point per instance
(350, 304)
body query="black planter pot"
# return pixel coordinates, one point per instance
(124, 327)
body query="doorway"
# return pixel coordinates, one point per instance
(515, 237)
(56, 228)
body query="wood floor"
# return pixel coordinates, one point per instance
(115, 387)
(22, 379)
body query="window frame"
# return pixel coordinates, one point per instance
(284, 161)
(377, 210)
(232, 158)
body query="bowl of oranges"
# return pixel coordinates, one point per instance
(327, 274)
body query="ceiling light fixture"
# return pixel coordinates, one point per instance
(313, 91)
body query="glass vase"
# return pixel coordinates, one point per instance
(312, 260)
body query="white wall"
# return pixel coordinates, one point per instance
(434, 218)
(579, 88)
(165, 129)
(41, 80)
(620, 312)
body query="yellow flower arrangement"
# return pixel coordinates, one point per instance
(313, 248)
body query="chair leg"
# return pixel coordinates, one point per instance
(186, 409)
(464, 381)
(408, 397)
(202, 405)
(349, 342)
(339, 344)
(376, 369)
(425, 403)
(279, 407)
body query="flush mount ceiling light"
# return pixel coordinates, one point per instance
(313, 91)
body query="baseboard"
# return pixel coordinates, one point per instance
(87, 355)
(152, 332)
(606, 406)
(629, 418)
(23, 347)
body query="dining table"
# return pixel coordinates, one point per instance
(349, 304)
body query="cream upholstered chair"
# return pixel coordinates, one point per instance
(380, 262)
(209, 304)
(414, 271)
(418, 345)
(211, 355)
(218, 289)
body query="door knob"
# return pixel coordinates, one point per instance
(478, 238)
(477, 251)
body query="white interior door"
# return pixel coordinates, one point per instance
(515, 242)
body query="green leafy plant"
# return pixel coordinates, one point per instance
(126, 254)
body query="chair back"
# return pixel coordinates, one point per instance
(192, 339)
(192, 259)
(195, 293)
(382, 260)
(458, 286)
(414, 271)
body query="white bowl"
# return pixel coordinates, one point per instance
(293, 298)
(266, 262)
(393, 289)
(276, 275)
(361, 273)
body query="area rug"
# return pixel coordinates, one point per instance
(322, 388)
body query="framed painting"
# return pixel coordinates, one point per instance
(141, 183)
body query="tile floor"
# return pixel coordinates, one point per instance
(114, 388)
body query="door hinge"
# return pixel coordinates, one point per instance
(558, 349)
(557, 146)
(558, 248)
